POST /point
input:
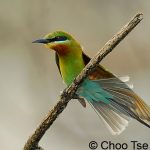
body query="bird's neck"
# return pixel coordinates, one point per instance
(71, 65)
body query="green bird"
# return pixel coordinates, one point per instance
(112, 99)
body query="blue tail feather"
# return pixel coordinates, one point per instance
(92, 91)
(115, 102)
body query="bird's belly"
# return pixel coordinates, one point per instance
(69, 75)
(70, 68)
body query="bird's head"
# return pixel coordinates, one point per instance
(59, 41)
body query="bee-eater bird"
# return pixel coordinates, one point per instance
(110, 97)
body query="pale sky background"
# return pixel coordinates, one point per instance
(30, 83)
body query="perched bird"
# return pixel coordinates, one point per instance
(111, 98)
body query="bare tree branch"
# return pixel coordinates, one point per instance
(68, 93)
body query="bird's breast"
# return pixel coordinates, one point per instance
(70, 68)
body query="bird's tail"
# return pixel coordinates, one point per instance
(115, 121)
(116, 116)
(120, 107)
(128, 102)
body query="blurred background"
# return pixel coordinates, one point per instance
(30, 83)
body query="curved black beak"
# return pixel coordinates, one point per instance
(43, 41)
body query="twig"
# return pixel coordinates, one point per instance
(68, 93)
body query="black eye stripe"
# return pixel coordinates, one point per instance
(58, 38)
